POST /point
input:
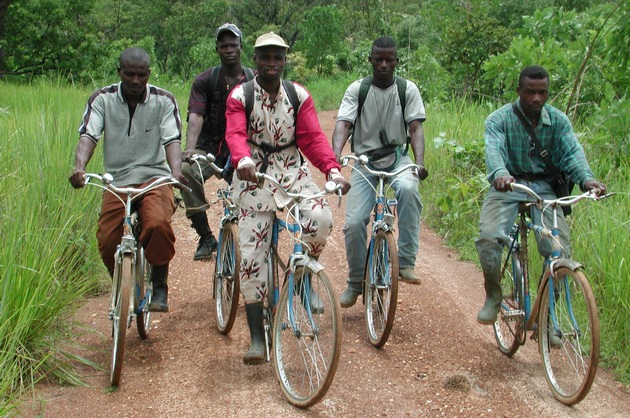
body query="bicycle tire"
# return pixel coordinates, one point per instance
(306, 356)
(571, 364)
(381, 287)
(144, 294)
(509, 327)
(121, 317)
(226, 278)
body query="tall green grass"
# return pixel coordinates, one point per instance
(47, 257)
(600, 231)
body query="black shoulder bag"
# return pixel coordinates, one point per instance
(560, 183)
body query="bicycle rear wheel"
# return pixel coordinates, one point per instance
(121, 316)
(226, 278)
(509, 328)
(381, 287)
(307, 341)
(144, 294)
(568, 336)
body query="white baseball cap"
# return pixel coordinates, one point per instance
(270, 39)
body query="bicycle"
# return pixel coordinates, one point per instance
(226, 289)
(380, 279)
(305, 339)
(131, 282)
(563, 318)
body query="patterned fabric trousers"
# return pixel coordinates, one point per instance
(254, 233)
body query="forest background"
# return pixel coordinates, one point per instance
(465, 56)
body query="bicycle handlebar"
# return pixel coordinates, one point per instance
(107, 179)
(364, 161)
(561, 201)
(329, 188)
(210, 159)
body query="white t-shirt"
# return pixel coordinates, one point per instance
(381, 111)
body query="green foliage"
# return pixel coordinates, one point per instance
(321, 38)
(424, 69)
(467, 45)
(48, 260)
(328, 91)
(43, 35)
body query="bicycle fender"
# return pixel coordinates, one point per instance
(566, 262)
(312, 264)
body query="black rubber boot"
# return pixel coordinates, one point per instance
(207, 242)
(159, 300)
(256, 352)
(492, 283)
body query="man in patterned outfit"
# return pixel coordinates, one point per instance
(272, 125)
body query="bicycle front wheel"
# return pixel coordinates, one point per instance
(226, 278)
(381, 287)
(568, 335)
(121, 316)
(307, 337)
(509, 328)
(144, 293)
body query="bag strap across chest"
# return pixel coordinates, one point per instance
(289, 88)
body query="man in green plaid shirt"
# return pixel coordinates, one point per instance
(511, 158)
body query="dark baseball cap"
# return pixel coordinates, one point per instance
(229, 27)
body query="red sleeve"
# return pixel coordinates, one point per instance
(311, 140)
(236, 128)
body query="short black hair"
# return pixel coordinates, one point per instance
(534, 72)
(134, 55)
(384, 42)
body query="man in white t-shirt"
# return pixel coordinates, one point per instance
(382, 124)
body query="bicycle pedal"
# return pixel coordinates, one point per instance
(513, 314)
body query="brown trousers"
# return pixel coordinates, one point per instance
(156, 210)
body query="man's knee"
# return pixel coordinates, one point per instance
(489, 253)
(188, 172)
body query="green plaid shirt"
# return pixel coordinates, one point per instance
(510, 152)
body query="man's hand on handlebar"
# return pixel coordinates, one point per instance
(182, 181)
(345, 185)
(502, 183)
(187, 155)
(247, 172)
(77, 179)
(423, 173)
(596, 187)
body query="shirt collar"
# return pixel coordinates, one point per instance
(147, 92)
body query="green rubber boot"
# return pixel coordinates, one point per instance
(256, 352)
(492, 283)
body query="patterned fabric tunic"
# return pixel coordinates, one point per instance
(273, 124)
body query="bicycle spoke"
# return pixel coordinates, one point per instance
(306, 340)
(569, 336)
(381, 287)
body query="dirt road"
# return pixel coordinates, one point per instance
(438, 361)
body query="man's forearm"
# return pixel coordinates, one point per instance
(195, 123)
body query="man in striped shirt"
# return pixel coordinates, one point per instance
(511, 158)
(142, 142)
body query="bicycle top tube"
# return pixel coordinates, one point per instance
(364, 161)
